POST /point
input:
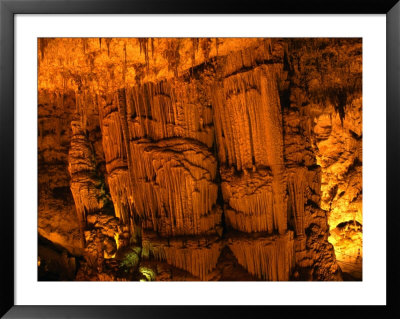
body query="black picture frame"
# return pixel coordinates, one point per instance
(8, 8)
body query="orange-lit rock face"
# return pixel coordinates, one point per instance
(200, 159)
(335, 103)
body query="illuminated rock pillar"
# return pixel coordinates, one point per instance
(161, 137)
(249, 135)
(85, 183)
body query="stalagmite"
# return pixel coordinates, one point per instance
(296, 185)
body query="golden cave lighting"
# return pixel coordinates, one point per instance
(200, 159)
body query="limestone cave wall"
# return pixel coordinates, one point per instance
(199, 159)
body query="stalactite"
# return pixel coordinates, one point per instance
(251, 57)
(249, 197)
(195, 47)
(121, 193)
(144, 47)
(249, 129)
(122, 110)
(84, 179)
(108, 43)
(172, 55)
(268, 258)
(42, 44)
(297, 185)
(206, 47)
(115, 150)
(163, 112)
(84, 45)
(182, 165)
(197, 255)
(175, 186)
(239, 136)
(248, 112)
(166, 109)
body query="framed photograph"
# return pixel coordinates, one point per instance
(167, 159)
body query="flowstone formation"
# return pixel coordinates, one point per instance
(200, 159)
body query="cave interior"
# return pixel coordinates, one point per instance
(199, 159)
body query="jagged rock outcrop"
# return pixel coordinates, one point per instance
(102, 239)
(57, 216)
(340, 156)
(202, 159)
(304, 191)
(326, 90)
(85, 182)
(57, 220)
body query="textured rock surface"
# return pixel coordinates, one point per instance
(268, 258)
(85, 183)
(57, 219)
(202, 159)
(174, 184)
(249, 112)
(326, 88)
(197, 255)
